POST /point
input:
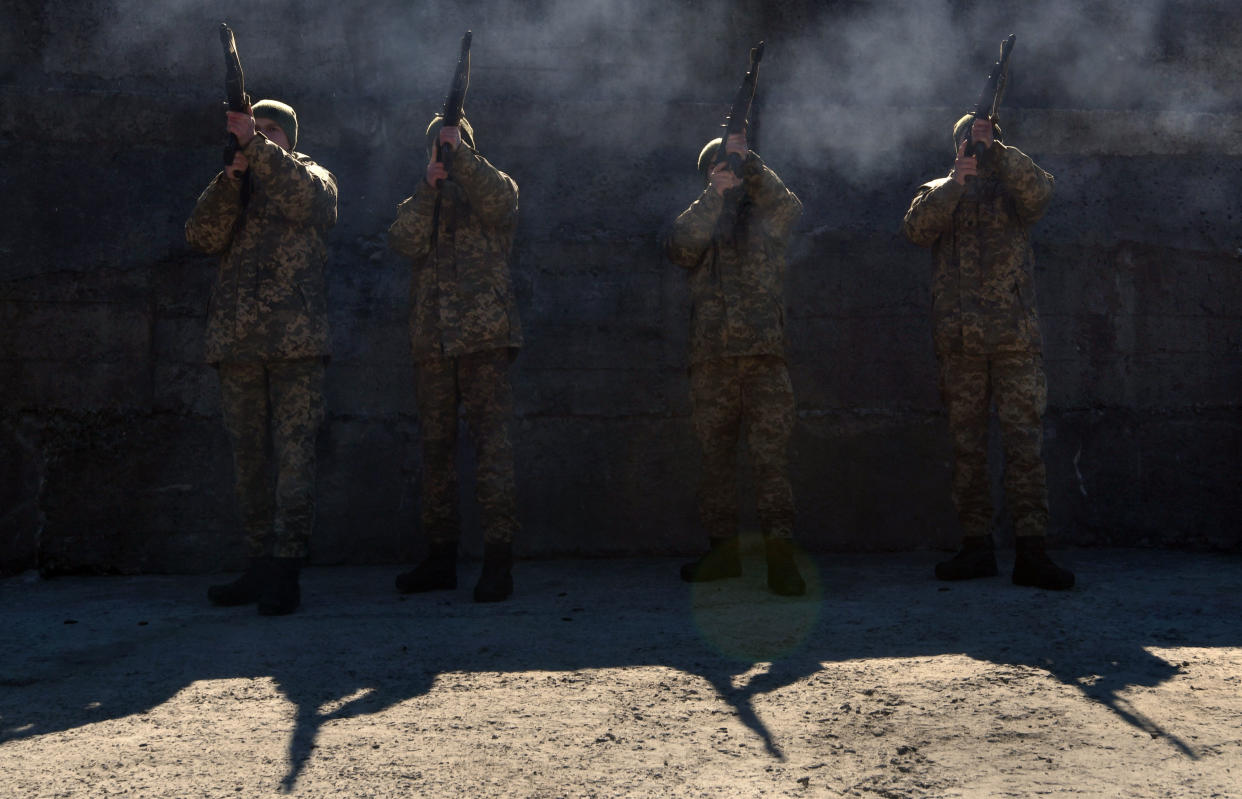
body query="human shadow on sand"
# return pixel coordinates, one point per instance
(356, 648)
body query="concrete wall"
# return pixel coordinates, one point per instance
(112, 455)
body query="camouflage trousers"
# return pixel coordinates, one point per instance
(750, 394)
(1015, 382)
(478, 383)
(272, 412)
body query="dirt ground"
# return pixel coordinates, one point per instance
(610, 678)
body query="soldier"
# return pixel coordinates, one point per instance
(266, 215)
(977, 222)
(464, 331)
(738, 377)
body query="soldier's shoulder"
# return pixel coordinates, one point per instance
(312, 165)
(932, 185)
(306, 160)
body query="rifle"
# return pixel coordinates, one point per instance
(452, 112)
(988, 104)
(234, 87)
(735, 122)
(752, 123)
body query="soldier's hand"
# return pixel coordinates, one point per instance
(965, 166)
(241, 126)
(450, 135)
(736, 143)
(435, 173)
(239, 166)
(723, 179)
(981, 130)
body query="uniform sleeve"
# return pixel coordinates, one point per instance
(210, 226)
(1030, 186)
(931, 212)
(493, 195)
(692, 232)
(780, 206)
(410, 234)
(304, 193)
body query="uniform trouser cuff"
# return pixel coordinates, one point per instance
(443, 536)
(499, 536)
(1030, 527)
(300, 551)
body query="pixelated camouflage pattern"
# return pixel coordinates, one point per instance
(1016, 382)
(478, 383)
(269, 300)
(751, 395)
(737, 281)
(459, 238)
(986, 329)
(983, 288)
(272, 413)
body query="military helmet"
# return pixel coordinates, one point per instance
(280, 113)
(707, 156)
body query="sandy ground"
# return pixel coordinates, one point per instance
(612, 679)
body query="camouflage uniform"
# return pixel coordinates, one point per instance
(280, 402)
(986, 329)
(738, 376)
(464, 330)
(267, 332)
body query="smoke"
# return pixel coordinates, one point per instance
(825, 63)
(850, 86)
(885, 77)
(889, 54)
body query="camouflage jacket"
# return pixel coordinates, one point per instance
(459, 237)
(983, 288)
(737, 279)
(269, 299)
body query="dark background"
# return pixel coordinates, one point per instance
(112, 453)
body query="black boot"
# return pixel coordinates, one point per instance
(438, 572)
(977, 558)
(720, 562)
(1033, 567)
(282, 594)
(245, 589)
(783, 576)
(496, 581)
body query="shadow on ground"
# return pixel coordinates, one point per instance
(83, 650)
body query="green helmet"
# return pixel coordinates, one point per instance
(280, 113)
(707, 156)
